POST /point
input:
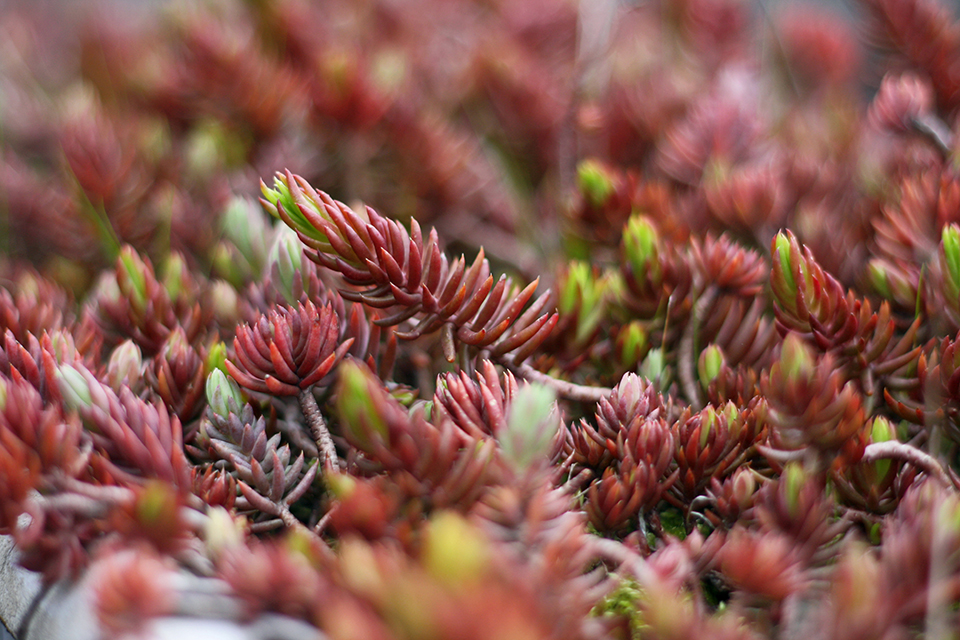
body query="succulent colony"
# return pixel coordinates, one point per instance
(653, 330)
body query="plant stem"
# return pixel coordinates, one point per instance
(569, 390)
(687, 350)
(900, 451)
(321, 435)
(935, 130)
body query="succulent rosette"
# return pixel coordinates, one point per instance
(288, 350)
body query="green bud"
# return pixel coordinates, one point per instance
(281, 196)
(579, 279)
(796, 359)
(950, 260)
(287, 254)
(216, 358)
(781, 254)
(223, 394)
(641, 246)
(125, 366)
(244, 226)
(532, 423)
(229, 265)
(795, 478)
(455, 551)
(882, 431)
(632, 342)
(341, 485)
(74, 387)
(212, 146)
(709, 364)
(222, 531)
(357, 394)
(225, 303)
(654, 365)
(892, 282)
(157, 503)
(584, 294)
(135, 270)
(879, 280)
(595, 182)
(3, 394)
(708, 420)
(173, 275)
(732, 414)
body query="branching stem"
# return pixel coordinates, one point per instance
(568, 390)
(321, 435)
(904, 452)
(687, 350)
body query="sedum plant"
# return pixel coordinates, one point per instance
(649, 328)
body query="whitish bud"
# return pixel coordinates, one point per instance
(125, 366)
(532, 423)
(223, 394)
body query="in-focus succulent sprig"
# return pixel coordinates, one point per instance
(415, 279)
(710, 445)
(286, 354)
(812, 405)
(479, 407)
(812, 303)
(288, 350)
(627, 457)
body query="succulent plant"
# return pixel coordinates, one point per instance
(732, 410)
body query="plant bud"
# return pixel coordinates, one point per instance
(882, 431)
(796, 359)
(709, 364)
(455, 551)
(135, 270)
(125, 366)
(794, 478)
(174, 275)
(222, 531)
(225, 303)
(641, 246)
(596, 182)
(632, 343)
(357, 395)
(532, 423)
(223, 394)
(246, 228)
(654, 366)
(950, 262)
(216, 357)
(74, 387)
(583, 293)
(156, 504)
(280, 197)
(287, 254)
(891, 282)
(744, 486)
(784, 246)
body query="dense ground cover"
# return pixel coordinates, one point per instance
(640, 319)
